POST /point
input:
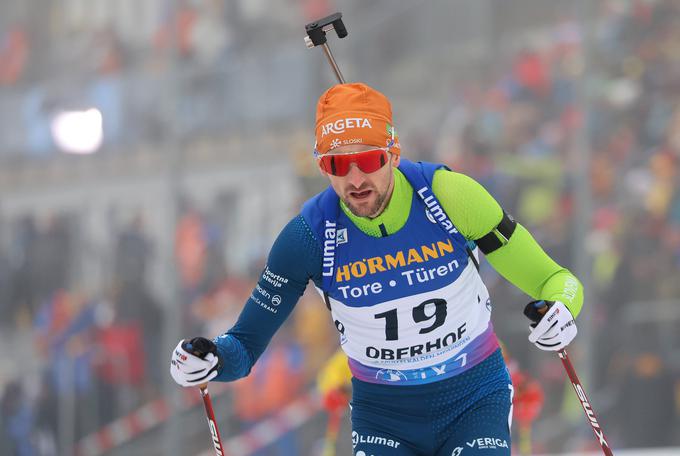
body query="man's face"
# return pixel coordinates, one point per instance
(365, 194)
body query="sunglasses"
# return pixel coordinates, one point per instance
(368, 161)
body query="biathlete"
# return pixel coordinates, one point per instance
(389, 246)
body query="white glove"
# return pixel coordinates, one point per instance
(190, 370)
(555, 329)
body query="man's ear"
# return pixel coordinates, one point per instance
(395, 160)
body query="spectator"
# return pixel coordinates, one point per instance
(65, 329)
(17, 418)
(6, 304)
(14, 52)
(645, 405)
(133, 253)
(176, 31)
(275, 381)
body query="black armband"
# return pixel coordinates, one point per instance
(497, 237)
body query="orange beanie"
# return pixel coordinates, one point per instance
(354, 114)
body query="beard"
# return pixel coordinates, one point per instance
(369, 211)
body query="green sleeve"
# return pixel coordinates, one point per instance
(521, 261)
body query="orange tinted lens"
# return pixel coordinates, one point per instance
(368, 162)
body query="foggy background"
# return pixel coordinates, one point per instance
(151, 150)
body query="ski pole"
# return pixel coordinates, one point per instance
(585, 403)
(533, 311)
(316, 36)
(212, 424)
(207, 402)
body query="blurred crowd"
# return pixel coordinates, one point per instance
(87, 352)
(517, 130)
(520, 136)
(99, 353)
(105, 62)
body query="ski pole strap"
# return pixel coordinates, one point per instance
(499, 236)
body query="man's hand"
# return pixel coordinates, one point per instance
(553, 326)
(194, 362)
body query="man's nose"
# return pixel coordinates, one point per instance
(355, 176)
